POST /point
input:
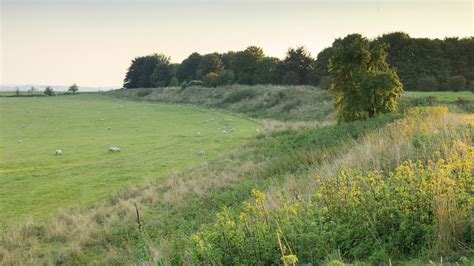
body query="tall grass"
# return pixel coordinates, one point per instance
(284, 103)
(357, 206)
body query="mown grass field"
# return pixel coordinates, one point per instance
(155, 139)
(441, 96)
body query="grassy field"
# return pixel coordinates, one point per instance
(155, 139)
(303, 188)
(442, 96)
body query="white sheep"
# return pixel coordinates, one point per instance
(109, 128)
(20, 141)
(224, 132)
(59, 152)
(198, 134)
(114, 149)
(200, 153)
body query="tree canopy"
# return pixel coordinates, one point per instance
(73, 88)
(421, 63)
(364, 84)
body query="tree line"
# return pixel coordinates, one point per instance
(250, 66)
(421, 64)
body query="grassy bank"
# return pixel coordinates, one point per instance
(284, 103)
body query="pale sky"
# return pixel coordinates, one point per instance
(91, 43)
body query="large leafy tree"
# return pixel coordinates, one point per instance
(266, 71)
(161, 75)
(364, 84)
(140, 71)
(187, 70)
(321, 65)
(209, 63)
(299, 61)
(73, 88)
(244, 64)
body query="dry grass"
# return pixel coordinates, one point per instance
(381, 150)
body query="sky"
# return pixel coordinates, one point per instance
(92, 42)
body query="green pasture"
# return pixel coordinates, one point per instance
(442, 96)
(155, 140)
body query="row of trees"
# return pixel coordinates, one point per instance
(48, 91)
(422, 64)
(250, 66)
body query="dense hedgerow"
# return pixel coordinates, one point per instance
(416, 209)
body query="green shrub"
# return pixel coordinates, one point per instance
(471, 85)
(194, 83)
(226, 77)
(143, 93)
(210, 80)
(372, 217)
(325, 82)
(290, 78)
(174, 82)
(239, 95)
(427, 83)
(291, 105)
(457, 83)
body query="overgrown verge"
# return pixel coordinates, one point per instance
(404, 191)
(373, 217)
(296, 103)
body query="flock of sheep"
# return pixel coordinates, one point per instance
(114, 149)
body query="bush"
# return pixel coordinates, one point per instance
(290, 78)
(471, 85)
(457, 83)
(237, 96)
(194, 83)
(174, 82)
(372, 216)
(226, 77)
(427, 83)
(291, 105)
(210, 80)
(143, 93)
(325, 82)
(48, 91)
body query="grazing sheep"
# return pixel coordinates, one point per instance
(59, 152)
(20, 141)
(23, 126)
(109, 128)
(114, 149)
(200, 153)
(224, 132)
(258, 130)
(198, 134)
